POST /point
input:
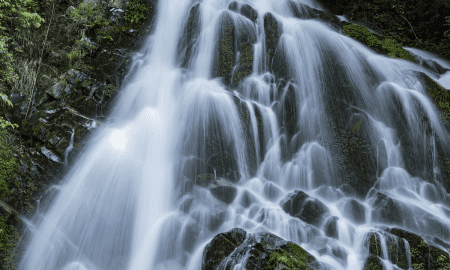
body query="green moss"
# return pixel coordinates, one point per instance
(226, 53)
(9, 237)
(387, 45)
(440, 98)
(356, 127)
(443, 262)
(294, 258)
(245, 62)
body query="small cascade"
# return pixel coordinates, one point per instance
(69, 148)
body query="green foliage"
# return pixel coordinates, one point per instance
(135, 11)
(90, 16)
(3, 122)
(447, 23)
(442, 262)
(15, 16)
(9, 237)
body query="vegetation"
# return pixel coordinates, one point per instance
(419, 24)
(385, 45)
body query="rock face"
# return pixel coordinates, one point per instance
(423, 255)
(69, 101)
(256, 251)
(302, 206)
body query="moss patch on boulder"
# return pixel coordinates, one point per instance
(381, 45)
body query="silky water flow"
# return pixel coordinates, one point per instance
(139, 196)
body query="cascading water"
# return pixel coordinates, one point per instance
(229, 108)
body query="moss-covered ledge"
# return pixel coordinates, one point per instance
(380, 44)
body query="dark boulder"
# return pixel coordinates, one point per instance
(330, 227)
(273, 30)
(355, 211)
(221, 246)
(271, 190)
(249, 12)
(258, 251)
(302, 206)
(223, 191)
(247, 199)
(186, 46)
(225, 51)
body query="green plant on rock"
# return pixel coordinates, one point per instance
(443, 263)
(15, 16)
(4, 123)
(280, 256)
(9, 237)
(389, 45)
(135, 11)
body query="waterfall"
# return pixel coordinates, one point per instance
(230, 107)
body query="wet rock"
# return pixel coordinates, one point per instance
(245, 37)
(355, 211)
(261, 135)
(289, 118)
(304, 207)
(249, 133)
(258, 251)
(419, 249)
(330, 227)
(249, 12)
(186, 205)
(247, 199)
(215, 220)
(439, 258)
(223, 191)
(387, 210)
(271, 190)
(191, 232)
(233, 6)
(299, 10)
(191, 32)
(221, 246)
(373, 244)
(273, 30)
(340, 253)
(225, 52)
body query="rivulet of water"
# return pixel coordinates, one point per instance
(140, 198)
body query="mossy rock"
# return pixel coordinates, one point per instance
(225, 52)
(381, 45)
(221, 246)
(272, 30)
(261, 250)
(191, 33)
(418, 247)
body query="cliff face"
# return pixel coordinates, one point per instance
(65, 76)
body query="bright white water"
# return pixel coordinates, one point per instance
(129, 203)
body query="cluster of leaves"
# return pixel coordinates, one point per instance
(136, 11)
(6, 102)
(15, 15)
(442, 262)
